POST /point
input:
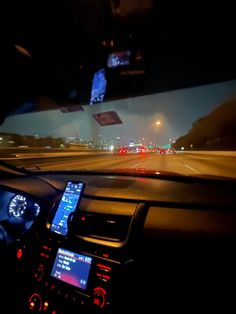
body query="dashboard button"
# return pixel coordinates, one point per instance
(38, 275)
(45, 306)
(52, 287)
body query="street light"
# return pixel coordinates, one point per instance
(158, 123)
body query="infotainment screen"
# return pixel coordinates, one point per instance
(72, 268)
(67, 205)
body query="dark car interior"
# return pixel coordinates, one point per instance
(132, 240)
(148, 238)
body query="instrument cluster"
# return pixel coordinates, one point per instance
(23, 208)
(18, 212)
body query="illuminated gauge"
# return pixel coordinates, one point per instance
(17, 206)
(36, 209)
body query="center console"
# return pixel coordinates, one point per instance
(79, 266)
(69, 279)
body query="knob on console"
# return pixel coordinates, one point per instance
(99, 297)
(35, 303)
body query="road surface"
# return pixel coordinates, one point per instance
(183, 163)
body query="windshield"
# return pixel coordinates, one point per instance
(190, 131)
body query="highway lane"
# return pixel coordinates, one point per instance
(183, 163)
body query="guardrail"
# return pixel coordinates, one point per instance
(36, 152)
(209, 152)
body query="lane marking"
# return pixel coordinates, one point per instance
(194, 170)
(203, 157)
(137, 164)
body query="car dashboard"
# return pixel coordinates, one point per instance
(132, 241)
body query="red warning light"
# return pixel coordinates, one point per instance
(19, 254)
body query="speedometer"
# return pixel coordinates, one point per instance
(17, 206)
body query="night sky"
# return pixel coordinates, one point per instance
(176, 110)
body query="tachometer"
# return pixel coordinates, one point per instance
(17, 206)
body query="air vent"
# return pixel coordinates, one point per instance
(102, 226)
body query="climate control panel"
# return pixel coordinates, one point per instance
(65, 280)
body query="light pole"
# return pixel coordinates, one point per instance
(158, 123)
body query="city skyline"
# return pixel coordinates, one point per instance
(176, 110)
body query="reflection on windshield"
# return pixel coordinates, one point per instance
(189, 131)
